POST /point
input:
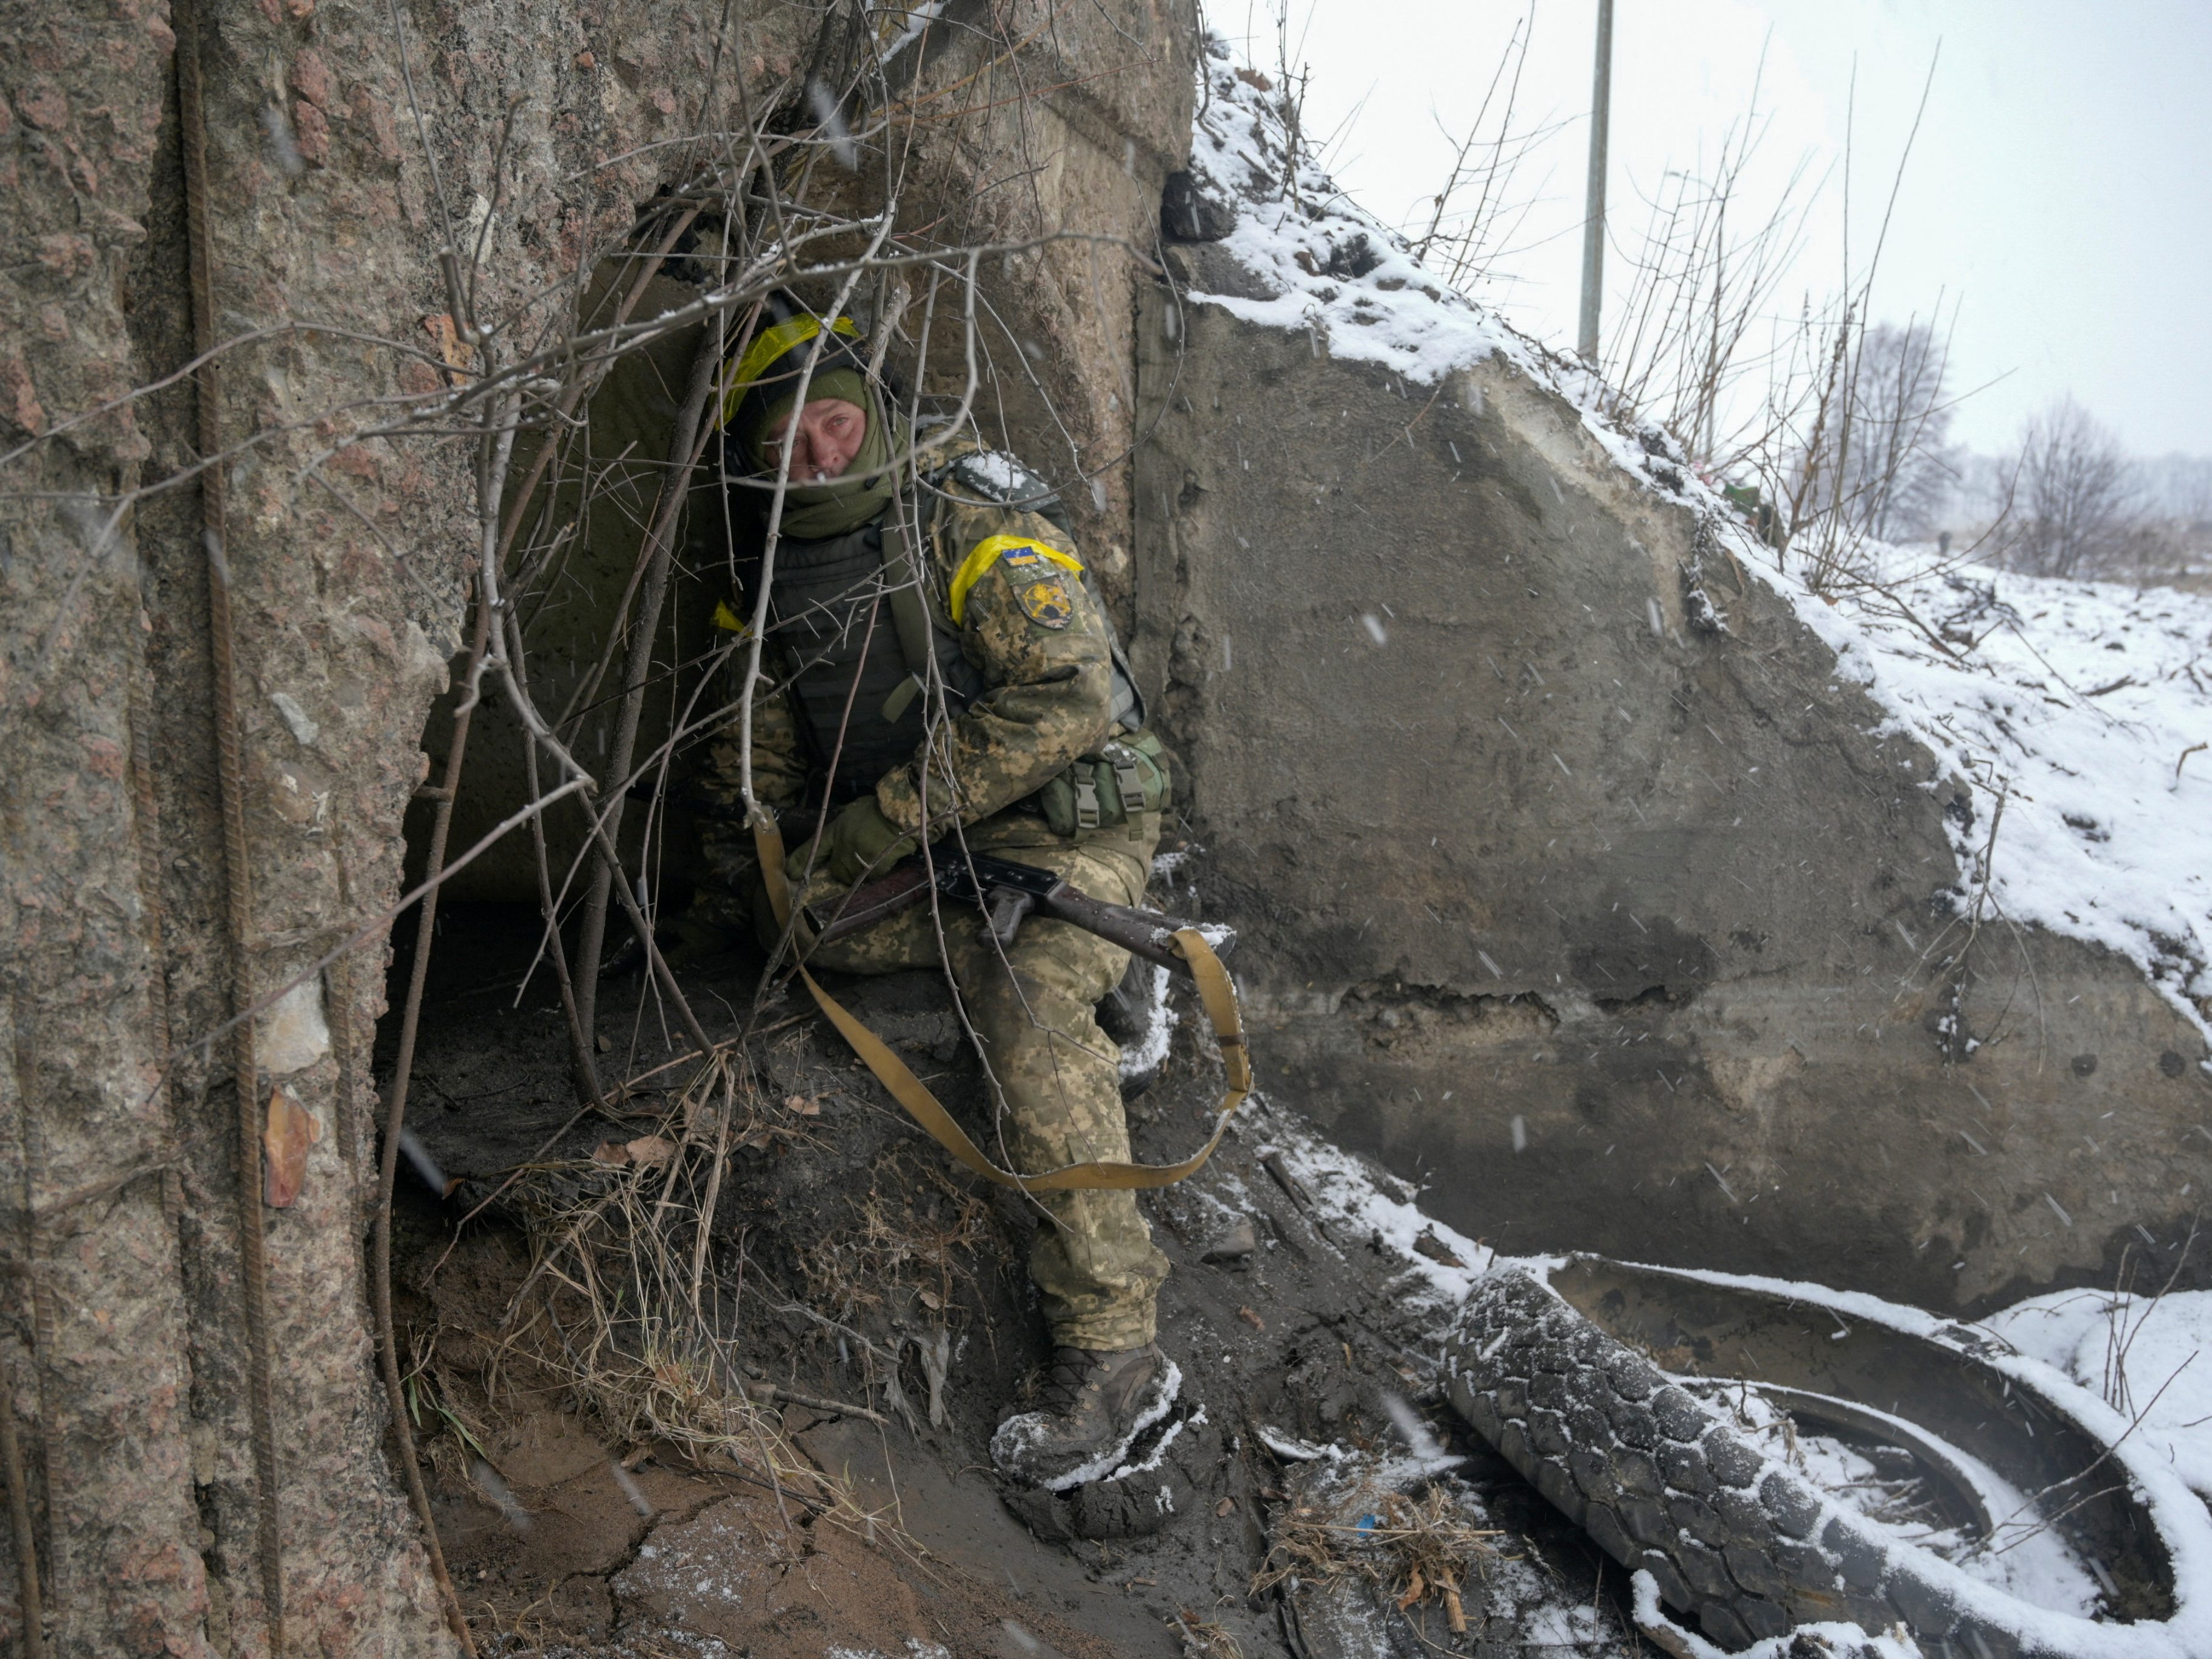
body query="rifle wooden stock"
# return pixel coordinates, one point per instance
(906, 887)
(1145, 933)
(981, 879)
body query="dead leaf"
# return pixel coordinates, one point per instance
(930, 1300)
(1223, 1507)
(802, 1105)
(1413, 1591)
(1252, 1319)
(1428, 1244)
(650, 1151)
(447, 339)
(612, 1153)
(292, 1128)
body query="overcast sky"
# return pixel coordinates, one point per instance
(2059, 193)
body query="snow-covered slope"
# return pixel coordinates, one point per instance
(2066, 708)
(2072, 708)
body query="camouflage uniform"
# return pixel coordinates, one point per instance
(1042, 648)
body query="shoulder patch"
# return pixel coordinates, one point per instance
(1044, 599)
(1033, 571)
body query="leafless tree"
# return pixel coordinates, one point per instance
(2076, 494)
(1901, 468)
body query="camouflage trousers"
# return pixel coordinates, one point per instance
(1053, 1076)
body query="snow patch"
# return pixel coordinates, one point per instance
(1352, 1203)
(2143, 1355)
(1339, 275)
(1840, 1639)
(1352, 285)
(1291, 1449)
(2066, 705)
(1158, 1454)
(1152, 1051)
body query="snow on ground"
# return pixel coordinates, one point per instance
(2072, 703)
(1441, 1264)
(2069, 705)
(1352, 285)
(2069, 708)
(1341, 276)
(2145, 1355)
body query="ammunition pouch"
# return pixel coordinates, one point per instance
(1126, 777)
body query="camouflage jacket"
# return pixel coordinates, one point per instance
(1011, 583)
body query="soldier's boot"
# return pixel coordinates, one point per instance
(1094, 1405)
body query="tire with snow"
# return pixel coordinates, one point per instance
(1747, 1547)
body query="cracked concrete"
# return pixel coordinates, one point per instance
(1607, 921)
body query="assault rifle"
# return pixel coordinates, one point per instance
(1008, 894)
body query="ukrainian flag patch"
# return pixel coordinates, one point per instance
(1033, 572)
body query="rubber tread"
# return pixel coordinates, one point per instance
(1743, 1545)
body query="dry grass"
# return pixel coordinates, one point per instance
(916, 1241)
(1202, 1639)
(624, 1308)
(1413, 1548)
(631, 1305)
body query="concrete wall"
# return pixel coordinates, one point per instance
(1605, 926)
(125, 1342)
(545, 126)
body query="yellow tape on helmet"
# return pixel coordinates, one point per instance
(769, 345)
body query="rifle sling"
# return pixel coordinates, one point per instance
(1216, 994)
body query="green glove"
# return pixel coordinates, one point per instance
(864, 843)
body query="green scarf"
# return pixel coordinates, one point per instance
(812, 512)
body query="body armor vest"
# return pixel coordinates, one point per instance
(826, 596)
(857, 689)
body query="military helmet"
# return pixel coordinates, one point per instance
(760, 382)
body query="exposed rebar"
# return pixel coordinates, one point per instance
(238, 890)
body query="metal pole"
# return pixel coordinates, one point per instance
(1593, 219)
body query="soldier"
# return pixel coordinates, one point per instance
(945, 674)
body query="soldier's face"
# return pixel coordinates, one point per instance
(825, 436)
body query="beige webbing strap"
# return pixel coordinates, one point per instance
(1215, 994)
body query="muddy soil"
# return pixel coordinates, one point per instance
(864, 1274)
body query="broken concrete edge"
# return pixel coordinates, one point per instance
(1317, 263)
(1516, 1311)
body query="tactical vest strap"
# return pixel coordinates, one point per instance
(1127, 779)
(903, 581)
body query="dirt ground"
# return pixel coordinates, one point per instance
(874, 1322)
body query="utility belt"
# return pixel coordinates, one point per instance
(1125, 777)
